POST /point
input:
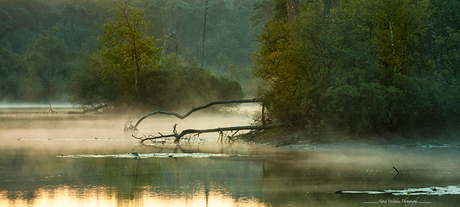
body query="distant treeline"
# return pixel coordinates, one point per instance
(363, 66)
(46, 43)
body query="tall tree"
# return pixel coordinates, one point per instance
(128, 49)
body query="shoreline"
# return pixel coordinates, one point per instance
(303, 139)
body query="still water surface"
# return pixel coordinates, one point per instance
(87, 160)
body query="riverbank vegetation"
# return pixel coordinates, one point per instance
(362, 66)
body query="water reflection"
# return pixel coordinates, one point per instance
(69, 196)
(124, 182)
(262, 178)
(41, 172)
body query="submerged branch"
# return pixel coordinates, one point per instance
(200, 131)
(92, 109)
(52, 111)
(194, 109)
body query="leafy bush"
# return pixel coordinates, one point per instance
(168, 88)
(183, 86)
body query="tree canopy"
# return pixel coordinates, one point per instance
(364, 66)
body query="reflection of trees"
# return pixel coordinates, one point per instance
(123, 178)
(15, 172)
(274, 177)
(25, 172)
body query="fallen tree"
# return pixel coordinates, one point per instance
(178, 136)
(193, 110)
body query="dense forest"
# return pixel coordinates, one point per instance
(61, 50)
(364, 66)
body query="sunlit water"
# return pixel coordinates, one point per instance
(87, 160)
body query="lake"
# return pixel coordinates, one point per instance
(88, 160)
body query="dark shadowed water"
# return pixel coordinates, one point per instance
(87, 160)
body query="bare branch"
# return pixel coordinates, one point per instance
(194, 109)
(199, 131)
(52, 111)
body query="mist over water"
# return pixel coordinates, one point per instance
(87, 160)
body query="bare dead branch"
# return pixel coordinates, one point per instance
(52, 111)
(200, 131)
(93, 109)
(129, 125)
(194, 109)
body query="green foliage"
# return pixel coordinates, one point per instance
(225, 44)
(128, 50)
(46, 60)
(391, 27)
(182, 86)
(264, 12)
(31, 87)
(128, 73)
(11, 69)
(362, 102)
(367, 66)
(178, 23)
(174, 86)
(86, 87)
(293, 66)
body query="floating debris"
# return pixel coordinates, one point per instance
(136, 155)
(396, 170)
(439, 146)
(449, 190)
(69, 139)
